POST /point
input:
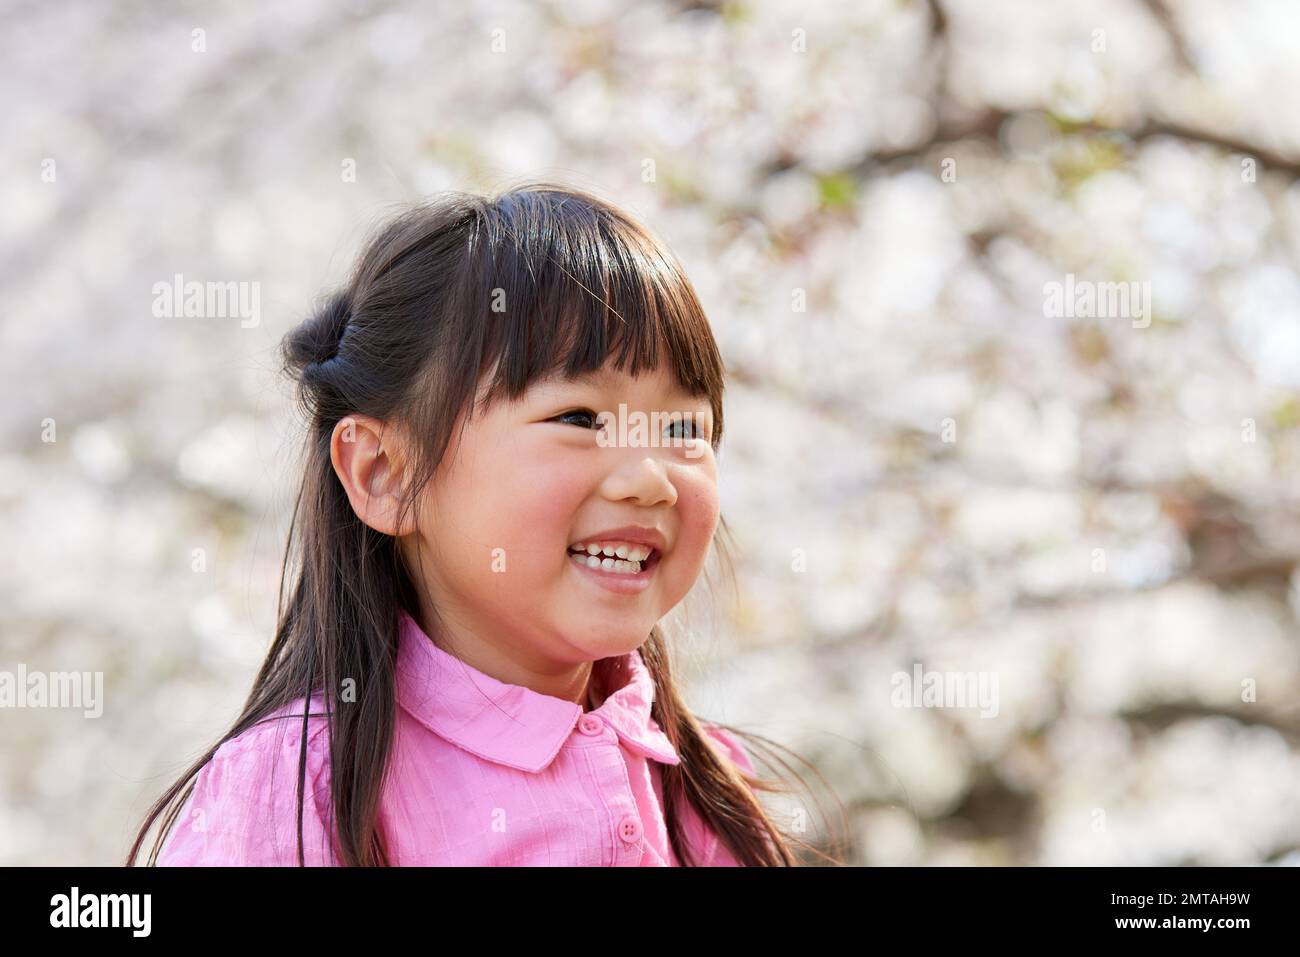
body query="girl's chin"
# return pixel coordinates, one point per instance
(610, 644)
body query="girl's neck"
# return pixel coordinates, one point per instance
(593, 699)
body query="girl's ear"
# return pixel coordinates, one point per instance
(369, 460)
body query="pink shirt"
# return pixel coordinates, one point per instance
(482, 773)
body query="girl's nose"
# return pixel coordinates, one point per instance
(644, 480)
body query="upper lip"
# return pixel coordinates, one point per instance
(633, 534)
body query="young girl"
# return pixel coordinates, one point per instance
(482, 558)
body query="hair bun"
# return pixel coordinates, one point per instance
(316, 339)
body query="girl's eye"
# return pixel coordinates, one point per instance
(695, 429)
(586, 419)
(580, 414)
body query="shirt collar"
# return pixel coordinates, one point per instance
(513, 725)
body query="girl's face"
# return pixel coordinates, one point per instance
(528, 479)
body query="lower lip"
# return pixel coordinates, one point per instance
(622, 584)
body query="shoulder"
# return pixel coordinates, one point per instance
(282, 731)
(243, 810)
(731, 746)
(274, 743)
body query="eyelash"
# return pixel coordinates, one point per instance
(564, 415)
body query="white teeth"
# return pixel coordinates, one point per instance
(616, 550)
(608, 564)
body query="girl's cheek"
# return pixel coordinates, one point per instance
(493, 506)
(540, 505)
(703, 507)
(698, 507)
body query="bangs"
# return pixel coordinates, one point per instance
(566, 284)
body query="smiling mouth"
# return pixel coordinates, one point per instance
(614, 565)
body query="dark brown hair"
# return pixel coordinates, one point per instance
(409, 339)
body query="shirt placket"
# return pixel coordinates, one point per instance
(615, 787)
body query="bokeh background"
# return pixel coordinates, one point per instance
(922, 467)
